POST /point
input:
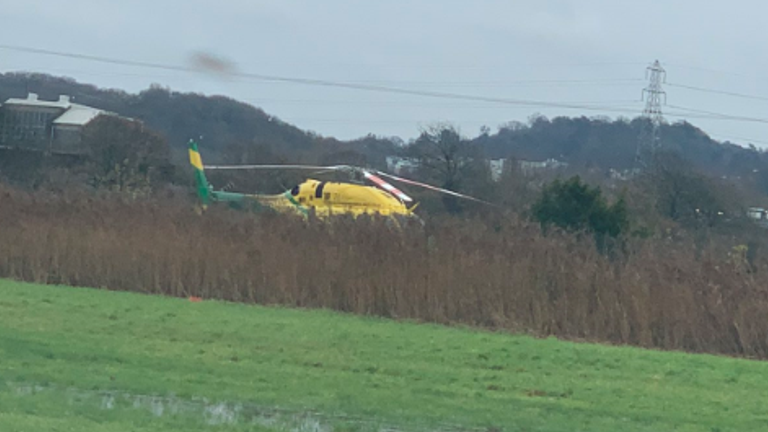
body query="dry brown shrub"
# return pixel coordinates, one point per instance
(501, 274)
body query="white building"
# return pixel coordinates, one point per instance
(531, 167)
(496, 167)
(35, 124)
(758, 215)
(401, 165)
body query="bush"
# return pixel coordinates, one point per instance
(124, 156)
(574, 206)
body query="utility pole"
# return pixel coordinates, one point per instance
(652, 95)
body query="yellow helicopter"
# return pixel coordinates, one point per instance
(319, 197)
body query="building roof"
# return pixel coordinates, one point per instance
(32, 100)
(73, 114)
(79, 115)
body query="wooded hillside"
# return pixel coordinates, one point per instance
(234, 131)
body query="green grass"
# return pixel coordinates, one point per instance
(83, 359)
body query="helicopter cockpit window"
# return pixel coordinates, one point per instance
(295, 190)
(319, 190)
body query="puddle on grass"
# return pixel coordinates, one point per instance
(221, 413)
(210, 412)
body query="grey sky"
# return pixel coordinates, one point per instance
(563, 51)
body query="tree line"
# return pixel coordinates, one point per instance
(696, 181)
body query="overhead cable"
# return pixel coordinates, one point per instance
(722, 92)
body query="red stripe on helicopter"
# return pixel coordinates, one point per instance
(386, 186)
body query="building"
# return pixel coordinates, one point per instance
(51, 126)
(623, 175)
(496, 166)
(758, 215)
(531, 167)
(401, 165)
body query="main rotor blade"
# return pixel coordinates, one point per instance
(386, 186)
(434, 188)
(277, 167)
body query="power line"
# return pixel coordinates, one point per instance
(722, 92)
(603, 104)
(601, 64)
(96, 58)
(710, 70)
(315, 82)
(721, 116)
(601, 81)
(357, 86)
(494, 83)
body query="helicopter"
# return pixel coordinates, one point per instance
(322, 198)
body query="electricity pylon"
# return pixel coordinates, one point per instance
(654, 96)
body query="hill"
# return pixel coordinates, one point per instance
(99, 360)
(224, 123)
(232, 130)
(603, 143)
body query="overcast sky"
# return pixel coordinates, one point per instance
(586, 52)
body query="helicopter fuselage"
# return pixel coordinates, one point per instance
(325, 199)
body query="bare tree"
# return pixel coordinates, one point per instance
(450, 160)
(687, 197)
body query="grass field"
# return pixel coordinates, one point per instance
(91, 360)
